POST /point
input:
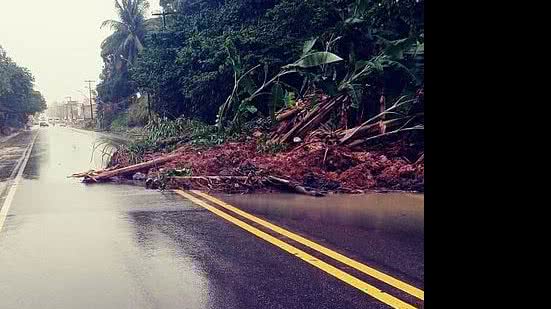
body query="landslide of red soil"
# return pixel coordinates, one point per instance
(315, 165)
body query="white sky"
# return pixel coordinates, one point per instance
(58, 40)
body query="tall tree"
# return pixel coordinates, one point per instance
(18, 99)
(126, 42)
(119, 52)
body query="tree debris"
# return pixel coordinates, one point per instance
(293, 187)
(326, 158)
(105, 175)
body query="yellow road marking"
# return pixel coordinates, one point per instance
(328, 252)
(335, 272)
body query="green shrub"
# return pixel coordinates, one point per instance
(138, 114)
(264, 145)
(120, 123)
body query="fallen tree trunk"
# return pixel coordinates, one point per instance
(313, 119)
(105, 175)
(83, 174)
(92, 172)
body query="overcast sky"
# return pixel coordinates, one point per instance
(58, 40)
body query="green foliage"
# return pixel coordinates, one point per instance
(264, 145)
(18, 99)
(122, 47)
(119, 52)
(278, 99)
(315, 59)
(120, 123)
(115, 86)
(138, 114)
(191, 132)
(187, 68)
(179, 172)
(308, 45)
(289, 99)
(137, 149)
(197, 132)
(160, 130)
(232, 61)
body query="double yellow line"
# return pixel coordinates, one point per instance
(335, 272)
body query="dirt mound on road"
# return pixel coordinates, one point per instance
(315, 165)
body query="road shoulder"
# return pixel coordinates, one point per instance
(12, 155)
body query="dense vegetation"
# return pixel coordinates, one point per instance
(18, 99)
(327, 94)
(232, 61)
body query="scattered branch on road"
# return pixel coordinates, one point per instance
(105, 175)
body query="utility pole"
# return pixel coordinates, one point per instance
(90, 87)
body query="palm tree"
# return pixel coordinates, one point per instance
(127, 39)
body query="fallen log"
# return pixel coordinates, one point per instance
(93, 172)
(313, 119)
(83, 174)
(105, 175)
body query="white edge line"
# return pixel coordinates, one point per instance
(13, 188)
(13, 173)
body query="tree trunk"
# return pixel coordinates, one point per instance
(129, 169)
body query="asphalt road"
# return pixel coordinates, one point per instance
(64, 244)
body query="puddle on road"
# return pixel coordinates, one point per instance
(396, 212)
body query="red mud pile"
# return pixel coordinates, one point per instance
(391, 156)
(314, 165)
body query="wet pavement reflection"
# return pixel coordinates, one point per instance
(384, 229)
(64, 236)
(393, 212)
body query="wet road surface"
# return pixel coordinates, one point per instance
(384, 229)
(68, 245)
(11, 150)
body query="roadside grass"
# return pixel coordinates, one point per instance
(165, 135)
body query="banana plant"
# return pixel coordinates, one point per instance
(309, 59)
